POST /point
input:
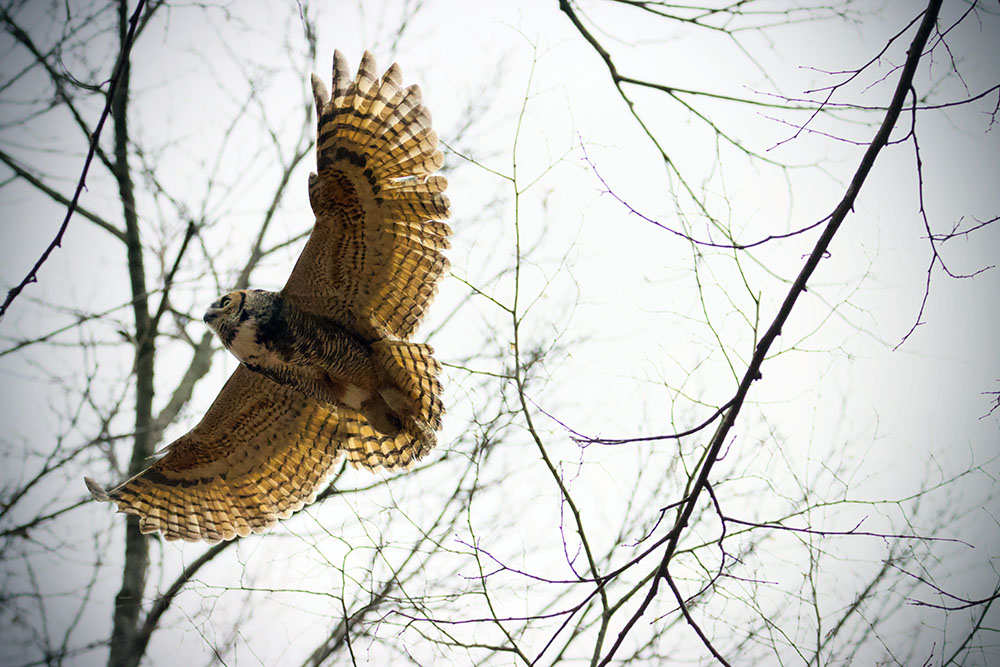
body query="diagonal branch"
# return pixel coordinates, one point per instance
(112, 90)
(58, 81)
(799, 286)
(690, 619)
(162, 603)
(59, 197)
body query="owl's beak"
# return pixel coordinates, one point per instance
(210, 315)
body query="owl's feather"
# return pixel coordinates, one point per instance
(414, 370)
(260, 453)
(370, 267)
(373, 258)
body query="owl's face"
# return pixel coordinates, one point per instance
(226, 313)
(236, 317)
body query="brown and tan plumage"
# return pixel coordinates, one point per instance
(327, 366)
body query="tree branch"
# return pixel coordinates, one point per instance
(120, 67)
(798, 287)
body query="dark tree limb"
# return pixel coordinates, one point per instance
(58, 197)
(120, 72)
(753, 372)
(690, 619)
(128, 601)
(141, 639)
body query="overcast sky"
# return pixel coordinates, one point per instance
(655, 335)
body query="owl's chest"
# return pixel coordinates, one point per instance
(255, 349)
(277, 340)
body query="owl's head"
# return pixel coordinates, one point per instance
(241, 312)
(226, 313)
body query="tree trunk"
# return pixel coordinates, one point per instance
(128, 602)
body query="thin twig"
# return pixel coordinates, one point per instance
(798, 287)
(32, 276)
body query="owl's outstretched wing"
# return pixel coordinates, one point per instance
(373, 260)
(260, 453)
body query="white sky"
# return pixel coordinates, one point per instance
(644, 359)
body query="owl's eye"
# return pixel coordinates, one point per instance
(224, 301)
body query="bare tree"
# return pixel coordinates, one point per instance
(644, 459)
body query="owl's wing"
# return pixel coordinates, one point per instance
(373, 259)
(260, 453)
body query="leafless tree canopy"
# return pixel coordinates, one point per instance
(719, 335)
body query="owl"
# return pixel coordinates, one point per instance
(326, 365)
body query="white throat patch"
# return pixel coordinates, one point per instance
(246, 348)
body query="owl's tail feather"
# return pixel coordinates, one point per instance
(396, 426)
(413, 370)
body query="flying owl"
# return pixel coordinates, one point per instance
(327, 367)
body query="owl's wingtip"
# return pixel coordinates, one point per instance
(96, 490)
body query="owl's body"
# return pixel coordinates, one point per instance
(313, 354)
(321, 358)
(327, 367)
